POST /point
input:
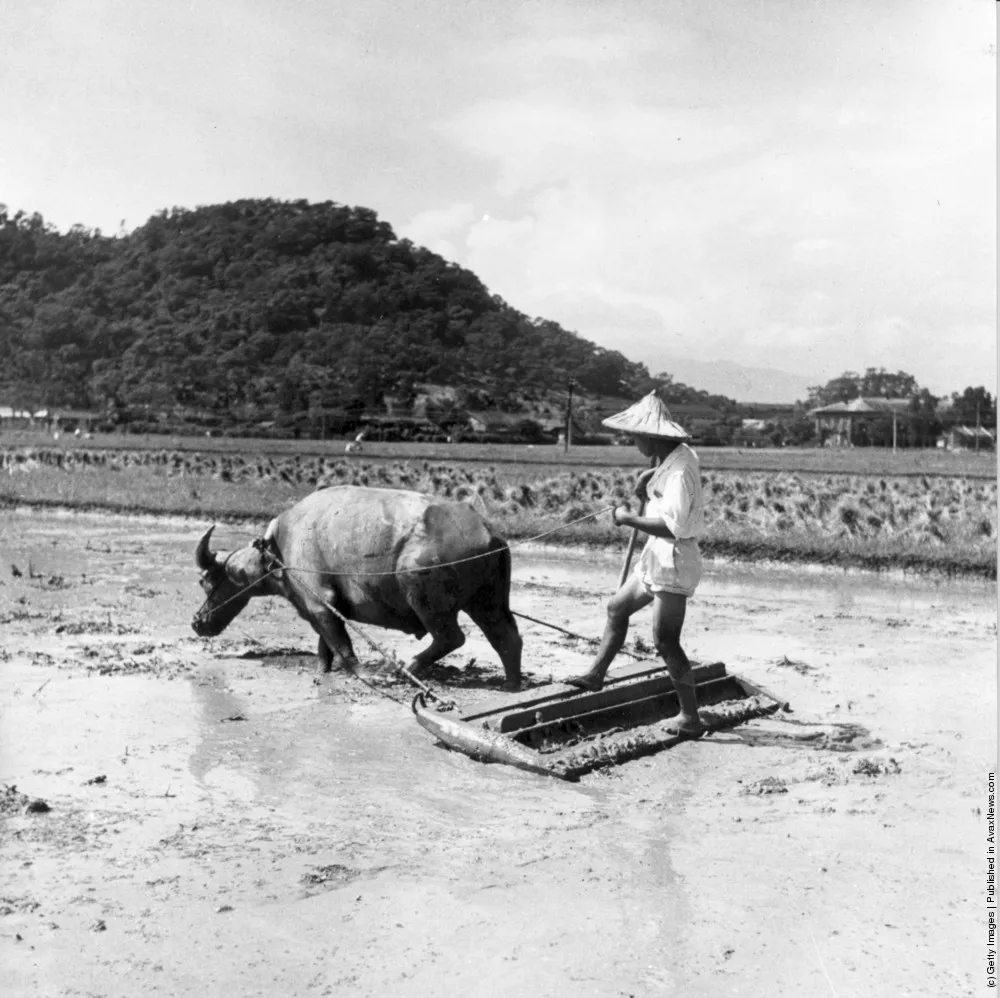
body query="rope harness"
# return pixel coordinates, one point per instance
(272, 558)
(386, 654)
(262, 546)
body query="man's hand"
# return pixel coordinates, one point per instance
(618, 513)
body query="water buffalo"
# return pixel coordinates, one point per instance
(371, 554)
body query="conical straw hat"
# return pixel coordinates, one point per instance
(649, 417)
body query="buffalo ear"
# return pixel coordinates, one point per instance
(204, 557)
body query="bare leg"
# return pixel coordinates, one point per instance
(630, 598)
(668, 620)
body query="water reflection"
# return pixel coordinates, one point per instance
(823, 588)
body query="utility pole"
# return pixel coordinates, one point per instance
(569, 416)
(977, 427)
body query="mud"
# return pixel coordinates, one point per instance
(222, 823)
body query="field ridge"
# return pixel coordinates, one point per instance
(922, 523)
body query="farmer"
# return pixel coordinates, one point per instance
(669, 569)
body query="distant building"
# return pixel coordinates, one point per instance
(11, 417)
(379, 427)
(840, 424)
(53, 419)
(69, 419)
(495, 422)
(968, 438)
(557, 428)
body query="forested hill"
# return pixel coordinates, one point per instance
(260, 308)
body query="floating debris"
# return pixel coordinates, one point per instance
(331, 875)
(765, 786)
(866, 766)
(11, 800)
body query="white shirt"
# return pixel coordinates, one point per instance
(673, 493)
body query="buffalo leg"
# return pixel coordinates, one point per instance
(500, 628)
(325, 656)
(446, 636)
(334, 643)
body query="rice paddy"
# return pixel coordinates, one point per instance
(528, 462)
(915, 522)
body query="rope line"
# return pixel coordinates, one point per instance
(458, 561)
(579, 637)
(232, 599)
(405, 571)
(387, 655)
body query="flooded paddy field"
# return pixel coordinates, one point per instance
(221, 822)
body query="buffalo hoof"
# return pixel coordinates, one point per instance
(511, 686)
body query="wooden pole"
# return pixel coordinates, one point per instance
(629, 551)
(567, 439)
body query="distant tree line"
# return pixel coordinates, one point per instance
(264, 309)
(306, 315)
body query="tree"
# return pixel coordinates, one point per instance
(923, 426)
(974, 405)
(841, 389)
(528, 429)
(874, 383)
(881, 384)
(255, 305)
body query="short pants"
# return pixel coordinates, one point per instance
(670, 566)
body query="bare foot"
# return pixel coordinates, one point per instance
(586, 682)
(685, 726)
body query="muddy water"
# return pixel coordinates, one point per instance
(824, 588)
(257, 833)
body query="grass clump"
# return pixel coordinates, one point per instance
(918, 522)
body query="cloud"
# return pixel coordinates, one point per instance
(543, 143)
(437, 227)
(801, 228)
(809, 186)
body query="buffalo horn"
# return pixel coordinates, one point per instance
(204, 556)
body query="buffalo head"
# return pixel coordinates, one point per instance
(229, 581)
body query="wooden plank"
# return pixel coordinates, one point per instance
(613, 695)
(584, 704)
(755, 689)
(656, 704)
(565, 693)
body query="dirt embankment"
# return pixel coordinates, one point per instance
(946, 525)
(219, 823)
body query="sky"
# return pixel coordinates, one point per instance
(805, 185)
